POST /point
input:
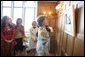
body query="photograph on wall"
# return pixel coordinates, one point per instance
(70, 21)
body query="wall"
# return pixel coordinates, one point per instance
(68, 45)
(62, 43)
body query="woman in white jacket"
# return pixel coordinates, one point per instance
(33, 37)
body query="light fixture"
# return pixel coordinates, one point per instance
(58, 6)
(49, 13)
(44, 13)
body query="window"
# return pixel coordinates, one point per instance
(18, 3)
(7, 12)
(17, 14)
(7, 3)
(20, 9)
(1, 10)
(29, 16)
(30, 4)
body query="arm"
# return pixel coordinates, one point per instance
(37, 34)
(44, 34)
(31, 35)
(13, 30)
(3, 36)
(21, 29)
(23, 32)
(13, 33)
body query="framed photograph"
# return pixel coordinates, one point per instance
(69, 19)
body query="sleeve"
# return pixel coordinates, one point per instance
(14, 31)
(44, 34)
(31, 34)
(37, 34)
(2, 36)
(23, 32)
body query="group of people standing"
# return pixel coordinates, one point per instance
(40, 38)
(12, 36)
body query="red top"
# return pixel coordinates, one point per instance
(8, 34)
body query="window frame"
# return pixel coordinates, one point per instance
(23, 10)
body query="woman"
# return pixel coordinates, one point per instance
(7, 37)
(19, 36)
(43, 39)
(33, 37)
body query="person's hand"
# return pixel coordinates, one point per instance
(6, 41)
(35, 40)
(9, 41)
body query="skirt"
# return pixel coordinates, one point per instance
(19, 45)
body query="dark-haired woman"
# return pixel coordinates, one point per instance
(7, 37)
(19, 36)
